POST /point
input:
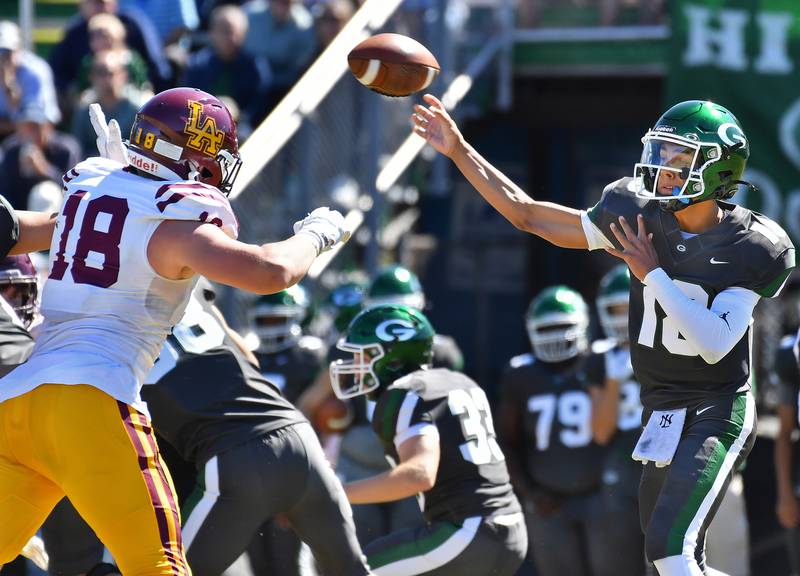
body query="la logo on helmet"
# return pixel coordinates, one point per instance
(731, 134)
(203, 137)
(391, 330)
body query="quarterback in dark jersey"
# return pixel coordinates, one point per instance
(545, 427)
(699, 265)
(437, 427)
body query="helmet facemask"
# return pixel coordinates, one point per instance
(229, 166)
(350, 378)
(277, 328)
(21, 294)
(686, 159)
(558, 337)
(613, 312)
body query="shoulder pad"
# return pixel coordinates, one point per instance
(774, 253)
(603, 345)
(197, 202)
(311, 343)
(522, 360)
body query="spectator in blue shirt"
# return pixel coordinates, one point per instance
(224, 69)
(25, 81)
(66, 57)
(172, 18)
(35, 153)
(282, 32)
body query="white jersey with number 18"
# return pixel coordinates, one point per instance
(106, 310)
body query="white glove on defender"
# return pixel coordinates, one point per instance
(618, 364)
(109, 137)
(325, 226)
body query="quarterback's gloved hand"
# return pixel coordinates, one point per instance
(109, 137)
(325, 226)
(618, 364)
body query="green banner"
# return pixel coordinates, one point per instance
(745, 55)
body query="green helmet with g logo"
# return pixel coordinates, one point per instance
(700, 142)
(388, 341)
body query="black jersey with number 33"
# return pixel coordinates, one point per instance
(472, 479)
(746, 250)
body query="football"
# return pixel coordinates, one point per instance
(333, 415)
(393, 64)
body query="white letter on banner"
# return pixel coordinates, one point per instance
(728, 39)
(774, 57)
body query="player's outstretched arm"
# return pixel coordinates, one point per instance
(557, 224)
(180, 249)
(35, 231)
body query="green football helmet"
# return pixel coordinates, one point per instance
(558, 324)
(612, 302)
(699, 143)
(344, 302)
(277, 318)
(388, 341)
(396, 285)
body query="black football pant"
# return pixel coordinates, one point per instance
(284, 471)
(678, 502)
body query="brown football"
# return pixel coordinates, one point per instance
(333, 415)
(393, 64)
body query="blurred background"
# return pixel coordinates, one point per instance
(556, 93)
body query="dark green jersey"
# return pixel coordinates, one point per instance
(746, 250)
(472, 479)
(294, 369)
(203, 394)
(555, 411)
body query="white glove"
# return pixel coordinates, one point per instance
(109, 137)
(618, 364)
(325, 226)
(34, 551)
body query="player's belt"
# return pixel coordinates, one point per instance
(507, 519)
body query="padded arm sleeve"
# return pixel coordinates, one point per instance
(711, 332)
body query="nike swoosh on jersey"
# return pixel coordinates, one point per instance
(701, 410)
(715, 261)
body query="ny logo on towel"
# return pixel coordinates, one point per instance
(666, 420)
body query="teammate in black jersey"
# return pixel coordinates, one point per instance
(292, 361)
(699, 265)
(545, 427)
(437, 427)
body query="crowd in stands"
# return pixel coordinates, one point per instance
(119, 52)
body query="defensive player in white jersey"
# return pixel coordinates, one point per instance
(130, 239)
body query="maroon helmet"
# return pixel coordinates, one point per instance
(18, 286)
(186, 134)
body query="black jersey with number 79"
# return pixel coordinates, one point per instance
(472, 479)
(745, 250)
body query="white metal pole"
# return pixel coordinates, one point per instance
(26, 23)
